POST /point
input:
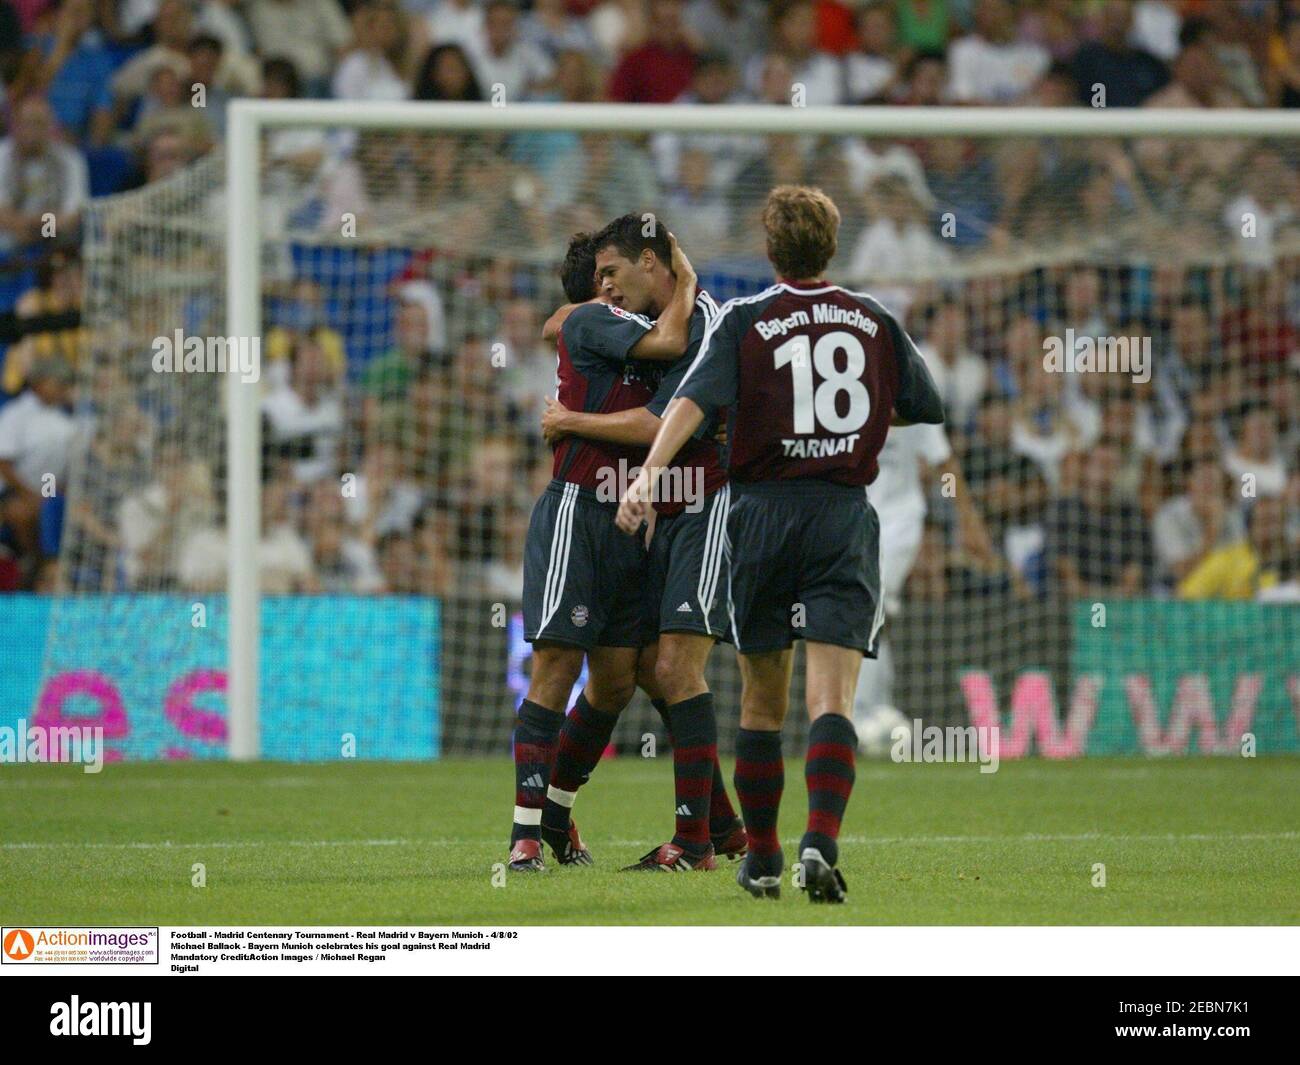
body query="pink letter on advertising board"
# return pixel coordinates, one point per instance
(111, 716)
(1033, 714)
(179, 706)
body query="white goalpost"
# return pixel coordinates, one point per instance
(248, 121)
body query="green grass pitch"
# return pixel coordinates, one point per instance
(1189, 841)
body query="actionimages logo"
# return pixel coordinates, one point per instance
(78, 946)
(18, 945)
(102, 1018)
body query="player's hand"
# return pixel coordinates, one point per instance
(556, 322)
(553, 430)
(635, 505)
(681, 265)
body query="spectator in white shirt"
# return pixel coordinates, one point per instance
(899, 242)
(866, 159)
(553, 31)
(36, 435)
(172, 27)
(697, 203)
(1043, 429)
(283, 558)
(816, 78)
(990, 66)
(1155, 27)
(529, 362)
(175, 23)
(305, 414)
(960, 375)
(284, 561)
(376, 68)
(42, 181)
(872, 72)
(341, 561)
(501, 58)
(383, 498)
(714, 82)
(457, 22)
(1191, 525)
(156, 521)
(1255, 461)
(734, 26)
(310, 33)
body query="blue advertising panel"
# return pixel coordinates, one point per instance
(340, 676)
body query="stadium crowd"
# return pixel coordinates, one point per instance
(421, 380)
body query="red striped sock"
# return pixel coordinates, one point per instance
(536, 730)
(760, 779)
(832, 748)
(695, 752)
(721, 813)
(583, 739)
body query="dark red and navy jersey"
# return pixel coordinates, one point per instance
(700, 457)
(597, 375)
(812, 374)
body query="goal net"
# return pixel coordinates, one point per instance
(1097, 553)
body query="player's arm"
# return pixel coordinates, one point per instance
(711, 383)
(1072, 584)
(9, 476)
(555, 322)
(1130, 583)
(974, 533)
(671, 332)
(917, 399)
(636, 426)
(682, 418)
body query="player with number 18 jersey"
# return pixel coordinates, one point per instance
(812, 375)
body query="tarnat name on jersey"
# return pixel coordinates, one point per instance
(819, 447)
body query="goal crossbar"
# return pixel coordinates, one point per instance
(248, 118)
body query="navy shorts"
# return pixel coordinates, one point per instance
(584, 581)
(687, 584)
(805, 564)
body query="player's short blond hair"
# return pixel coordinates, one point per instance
(802, 224)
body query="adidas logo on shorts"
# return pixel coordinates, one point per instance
(685, 608)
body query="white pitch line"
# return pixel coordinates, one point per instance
(146, 783)
(1086, 837)
(636, 777)
(167, 844)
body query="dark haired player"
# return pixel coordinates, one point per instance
(686, 586)
(812, 376)
(582, 581)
